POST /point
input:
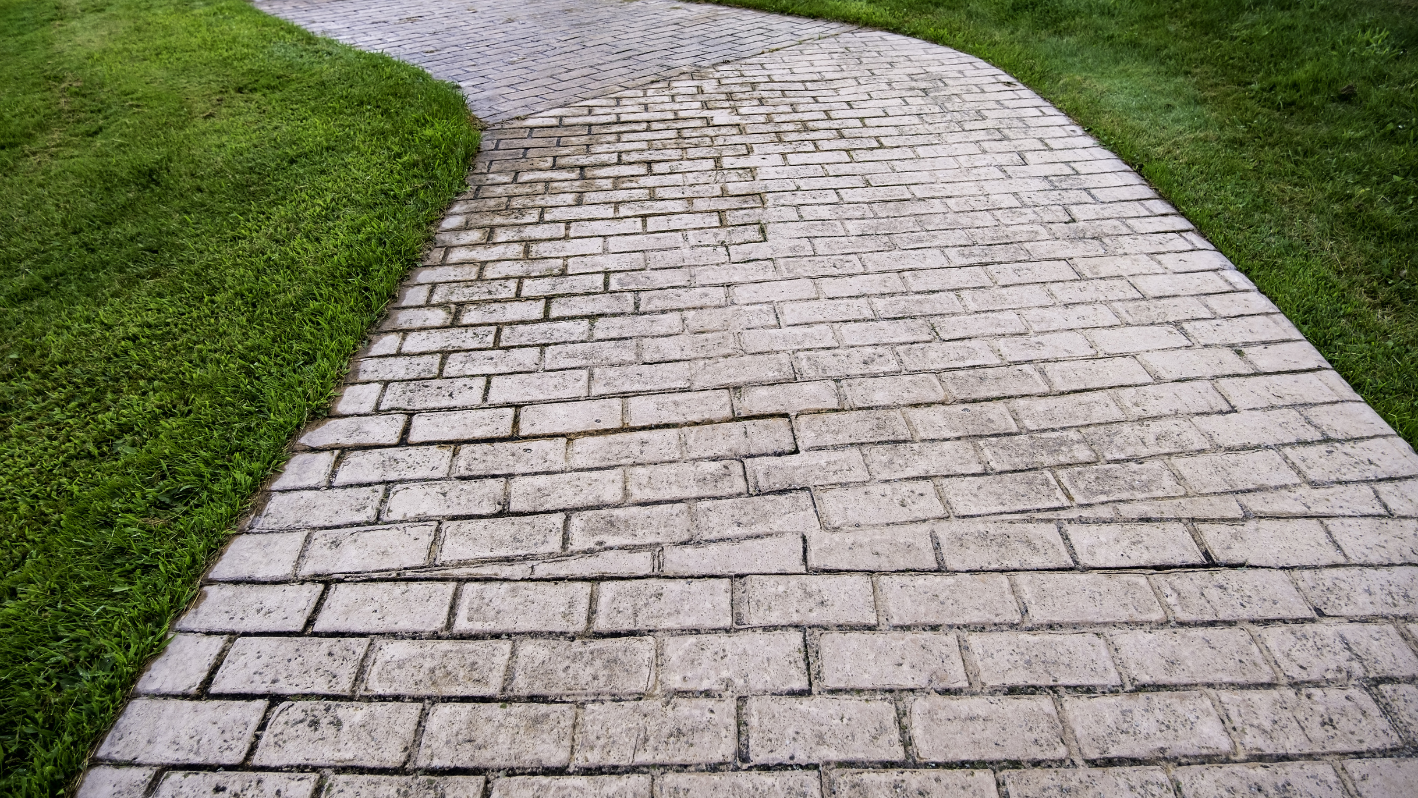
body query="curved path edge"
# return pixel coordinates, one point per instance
(790, 409)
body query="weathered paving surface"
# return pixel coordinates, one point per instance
(838, 421)
(512, 58)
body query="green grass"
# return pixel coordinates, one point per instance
(202, 209)
(1286, 130)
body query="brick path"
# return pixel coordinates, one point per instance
(834, 421)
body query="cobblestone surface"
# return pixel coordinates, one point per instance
(835, 421)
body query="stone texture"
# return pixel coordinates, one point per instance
(169, 732)
(822, 729)
(745, 329)
(328, 733)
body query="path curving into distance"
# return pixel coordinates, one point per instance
(795, 410)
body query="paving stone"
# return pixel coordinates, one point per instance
(637, 786)
(267, 557)
(1376, 541)
(183, 665)
(109, 782)
(501, 537)
(752, 784)
(567, 668)
(290, 665)
(444, 499)
(438, 667)
(180, 784)
(890, 660)
(1201, 596)
(681, 731)
(817, 600)
(893, 548)
(630, 526)
(497, 736)
(353, 786)
(1269, 543)
(1143, 725)
(1305, 721)
(1001, 546)
(1190, 656)
(663, 604)
(822, 729)
(334, 551)
(986, 728)
(889, 503)
(930, 600)
(486, 607)
(922, 783)
(1133, 545)
(250, 608)
(169, 732)
(298, 509)
(516, 457)
(309, 470)
(1300, 779)
(1003, 493)
(1344, 651)
(740, 663)
(565, 491)
(1381, 778)
(1354, 592)
(1402, 700)
(329, 733)
(779, 554)
(1087, 598)
(1009, 659)
(384, 607)
(1129, 782)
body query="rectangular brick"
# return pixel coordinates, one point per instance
(986, 728)
(1146, 725)
(809, 599)
(822, 729)
(685, 731)
(663, 604)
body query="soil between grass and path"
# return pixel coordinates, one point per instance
(202, 210)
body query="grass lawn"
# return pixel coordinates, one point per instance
(1286, 130)
(202, 209)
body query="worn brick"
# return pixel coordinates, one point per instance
(170, 732)
(570, 668)
(384, 607)
(329, 733)
(1191, 656)
(183, 665)
(497, 736)
(1306, 721)
(486, 607)
(663, 604)
(822, 729)
(1142, 725)
(290, 665)
(985, 728)
(688, 731)
(890, 660)
(740, 663)
(438, 667)
(1231, 596)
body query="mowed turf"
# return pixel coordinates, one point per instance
(1286, 130)
(202, 209)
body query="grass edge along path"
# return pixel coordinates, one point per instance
(1285, 130)
(203, 209)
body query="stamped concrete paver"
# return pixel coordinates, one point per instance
(839, 420)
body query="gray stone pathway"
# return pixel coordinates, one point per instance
(839, 420)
